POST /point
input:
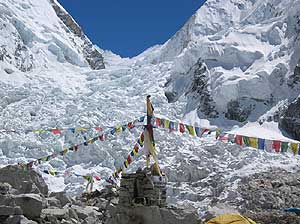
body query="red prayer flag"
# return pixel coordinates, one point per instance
(239, 139)
(129, 159)
(76, 147)
(276, 145)
(101, 137)
(97, 178)
(130, 125)
(98, 129)
(56, 131)
(181, 128)
(136, 147)
(158, 122)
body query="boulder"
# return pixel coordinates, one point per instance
(4, 188)
(23, 180)
(9, 210)
(18, 219)
(56, 212)
(87, 211)
(31, 204)
(62, 197)
(53, 202)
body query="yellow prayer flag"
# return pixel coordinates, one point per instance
(80, 129)
(52, 172)
(191, 130)
(90, 141)
(253, 142)
(134, 151)
(294, 148)
(127, 163)
(166, 123)
(65, 151)
(118, 128)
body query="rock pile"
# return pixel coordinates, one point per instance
(24, 199)
(266, 195)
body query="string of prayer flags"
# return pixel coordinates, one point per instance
(262, 144)
(89, 178)
(58, 131)
(139, 144)
(77, 146)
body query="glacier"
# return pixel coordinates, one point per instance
(232, 55)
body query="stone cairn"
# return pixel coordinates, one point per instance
(143, 188)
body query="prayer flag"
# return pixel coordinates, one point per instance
(80, 129)
(284, 147)
(129, 159)
(172, 126)
(246, 140)
(261, 144)
(56, 131)
(239, 139)
(197, 130)
(101, 137)
(98, 178)
(294, 148)
(52, 172)
(253, 142)
(118, 128)
(181, 128)
(158, 122)
(162, 122)
(269, 145)
(231, 138)
(276, 146)
(75, 147)
(132, 153)
(167, 123)
(72, 130)
(191, 130)
(130, 125)
(218, 133)
(98, 129)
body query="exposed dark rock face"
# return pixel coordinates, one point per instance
(91, 54)
(236, 112)
(200, 88)
(294, 79)
(197, 90)
(290, 120)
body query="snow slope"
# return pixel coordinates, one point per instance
(250, 49)
(58, 89)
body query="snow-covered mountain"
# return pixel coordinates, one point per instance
(232, 62)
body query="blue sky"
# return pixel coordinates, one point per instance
(129, 27)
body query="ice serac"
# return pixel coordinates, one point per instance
(33, 36)
(250, 49)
